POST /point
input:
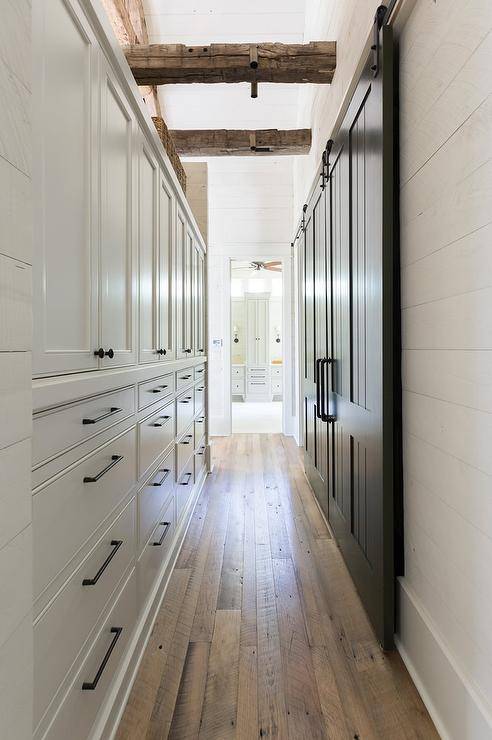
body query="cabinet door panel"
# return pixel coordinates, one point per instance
(148, 254)
(180, 285)
(199, 306)
(65, 188)
(166, 265)
(262, 332)
(251, 341)
(117, 260)
(188, 294)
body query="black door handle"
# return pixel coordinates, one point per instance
(101, 353)
(328, 363)
(317, 381)
(115, 459)
(91, 685)
(166, 526)
(161, 352)
(115, 544)
(160, 483)
(112, 410)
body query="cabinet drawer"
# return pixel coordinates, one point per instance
(200, 459)
(153, 496)
(199, 429)
(185, 411)
(61, 631)
(184, 448)
(257, 386)
(155, 434)
(199, 398)
(238, 372)
(59, 430)
(155, 551)
(184, 487)
(199, 373)
(237, 386)
(155, 390)
(184, 378)
(259, 370)
(68, 510)
(78, 712)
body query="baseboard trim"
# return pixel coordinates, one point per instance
(455, 706)
(107, 723)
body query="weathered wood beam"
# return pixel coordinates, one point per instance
(162, 64)
(240, 142)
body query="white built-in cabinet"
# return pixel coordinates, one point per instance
(257, 331)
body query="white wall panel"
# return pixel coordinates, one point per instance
(15, 213)
(15, 397)
(16, 498)
(15, 34)
(15, 582)
(15, 305)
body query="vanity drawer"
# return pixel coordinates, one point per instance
(155, 390)
(67, 511)
(258, 370)
(76, 716)
(155, 434)
(238, 372)
(185, 410)
(62, 630)
(155, 551)
(237, 386)
(153, 496)
(184, 378)
(199, 397)
(184, 487)
(59, 430)
(199, 429)
(184, 448)
(257, 386)
(199, 373)
(276, 387)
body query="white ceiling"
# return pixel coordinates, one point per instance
(212, 21)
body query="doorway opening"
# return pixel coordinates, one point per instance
(257, 352)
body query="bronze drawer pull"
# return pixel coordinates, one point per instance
(90, 686)
(115, 544)
(166, 526)
(115, 459)
(112, 410)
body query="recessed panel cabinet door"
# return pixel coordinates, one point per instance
(251, 333)
(180, 287)
(148, 180)
(199, 303)
(166, 266)
(118, 222)
(262, 354)
(65, 176)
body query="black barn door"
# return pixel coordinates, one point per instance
(350, 387)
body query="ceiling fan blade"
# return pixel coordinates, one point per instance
(272, 263)
(274, 269)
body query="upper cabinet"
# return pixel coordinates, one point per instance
(117, 275)
(118, 246)
(65, 176)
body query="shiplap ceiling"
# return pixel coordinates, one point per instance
(211, 21)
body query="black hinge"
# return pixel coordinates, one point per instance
(376, 48)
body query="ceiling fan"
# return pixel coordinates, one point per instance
(256, 266)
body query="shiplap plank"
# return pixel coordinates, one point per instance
(15, 38)
(16, 498)
(15, 123)
(15, 213)
(15, 305)
(15, 397)
(15, 582)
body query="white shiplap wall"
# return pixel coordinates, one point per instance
(15, 373)
(446, 213)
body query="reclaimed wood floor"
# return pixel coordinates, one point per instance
(261, 632)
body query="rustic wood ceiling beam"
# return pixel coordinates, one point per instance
(163, 64)
(240, 142)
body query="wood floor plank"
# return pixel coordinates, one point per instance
(221, 691)
(296, 657)
(185, 723)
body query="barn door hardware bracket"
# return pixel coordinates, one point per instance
(304, 209)
(376, 46)
(325, 163)
(253, 63)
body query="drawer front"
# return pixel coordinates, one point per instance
(155, 434)
(153, 496)
(257, 386)
(62, 630)
(199, 429)
(238, 372)
(155, 551)
(200, 460)
(199, 373)
(260, 370)
(184, 378)
(184, 449)
(155, 390)
(185, 410)
(78, 712)
(199, 398)
(276, 372)
(276, 387)
(67, 511)
(184, 487)
(57, 431)
(238, 386)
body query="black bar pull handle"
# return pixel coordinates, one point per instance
(329, 364)
(115, 544)
(113, 410)
(92, 685)
(187, 399)
(201, 451)
(318, 389)
(161, 481)
(188, 475)
(166, 526)
(201, 389)
(157, 424)
(115, 459)
(189, 437)
(185, 377)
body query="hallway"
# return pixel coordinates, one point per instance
(261, 633)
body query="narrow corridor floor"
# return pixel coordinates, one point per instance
(261, 632)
